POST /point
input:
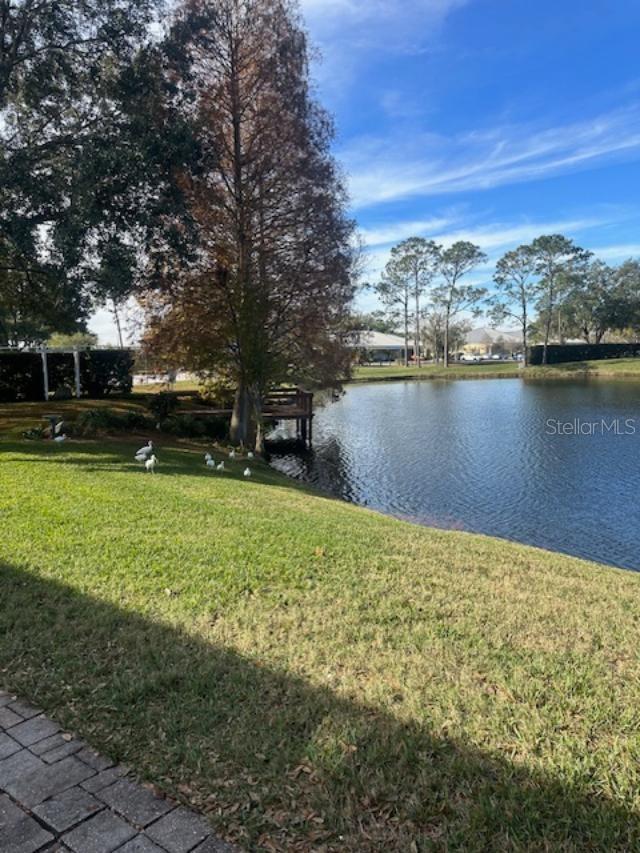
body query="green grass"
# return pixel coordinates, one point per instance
(623, 367)
(185, 385)
(313, 675)
(436, 371)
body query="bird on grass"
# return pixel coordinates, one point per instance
(144, 453)
(220, 467)
(249, 455)
(247, 472)
(208, 457)
(60, 438)
(151, 463)
(232, 454)
(211, 463)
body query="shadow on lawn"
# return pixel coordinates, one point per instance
(271, 755)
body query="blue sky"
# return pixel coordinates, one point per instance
(487, 120)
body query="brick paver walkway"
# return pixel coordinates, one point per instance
(56, 794)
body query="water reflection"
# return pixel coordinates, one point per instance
(478, 456)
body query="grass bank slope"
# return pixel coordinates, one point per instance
(316, 676)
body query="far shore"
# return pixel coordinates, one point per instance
(608, 368)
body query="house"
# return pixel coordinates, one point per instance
(379, 347)
(486, 342)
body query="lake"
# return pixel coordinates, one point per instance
(549, 463)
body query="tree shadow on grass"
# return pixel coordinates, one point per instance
(278, 763)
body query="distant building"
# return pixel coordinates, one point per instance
(487, 342)
(379, 347)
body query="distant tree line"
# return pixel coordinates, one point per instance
(550, 289)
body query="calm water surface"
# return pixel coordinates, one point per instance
(481, 456)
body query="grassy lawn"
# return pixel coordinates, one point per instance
(154, 388)
(436, 371)
(313, 675)
(608, 367)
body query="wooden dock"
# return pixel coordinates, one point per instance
(281, 404)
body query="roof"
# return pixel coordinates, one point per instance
(487, 335)
(377, 340)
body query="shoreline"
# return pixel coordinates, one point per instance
(619, 369)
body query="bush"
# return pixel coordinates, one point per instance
(102, 372)
(189, 426)
(96, 421)
(21, 376)
(562, 353)
(163, 404)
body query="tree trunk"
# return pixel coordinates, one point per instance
(446, 340)
(545, 347)
(116, 317)
(257, 424)
(406, 334)
(417, 342)
(241, 417)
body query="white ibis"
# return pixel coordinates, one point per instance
(60, 438)
(145, 452)
(232, 454)
(208, 457)
(211, 463)
(247, 472)
(151, 463)
(249, 455)
(220, 467)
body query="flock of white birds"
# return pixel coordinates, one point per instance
(146, 456)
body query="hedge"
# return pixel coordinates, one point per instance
(102, 372)
(561, 353)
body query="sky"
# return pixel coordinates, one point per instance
(493, 121)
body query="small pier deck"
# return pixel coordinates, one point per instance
(281, 404)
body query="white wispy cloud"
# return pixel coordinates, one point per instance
(617, 253)
(387, 169)
(494, 238)
(350, 33)
(493, 235)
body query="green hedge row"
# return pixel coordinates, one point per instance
(102, 372)
(562, 353)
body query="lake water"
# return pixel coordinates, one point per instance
(554, 464)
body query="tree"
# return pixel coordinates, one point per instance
(265, 297)
(376, 321)
(558, 263)
(82, 340)
(432, 331)
(35, 300)
(627, 297)
(87, 138)
(453, 297)
(394, 291)
(419, 259)
(515, 280)
(592, 306)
